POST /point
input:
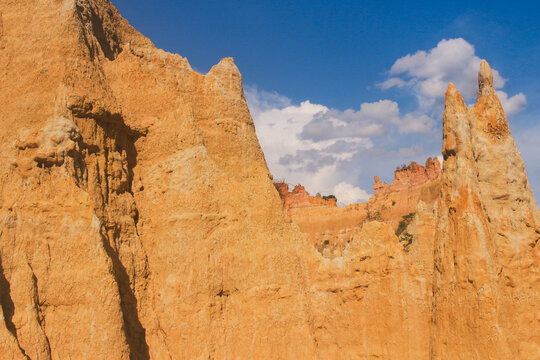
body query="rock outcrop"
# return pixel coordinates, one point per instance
(487, 280)
(137, 215)
(412, 183)
(138, 219)
(299, 198)
(329, 228)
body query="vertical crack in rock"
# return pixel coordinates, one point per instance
(94, 27)
(39, 313)
(102, 164)
(135, 332)
(8, 307)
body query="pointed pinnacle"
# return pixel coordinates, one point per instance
(485, 79)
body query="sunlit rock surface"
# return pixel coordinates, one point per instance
(138, 219)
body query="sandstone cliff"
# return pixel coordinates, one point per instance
(299, 198)
(487, 280)
(329, 228)
(138, 219)
(131, 217)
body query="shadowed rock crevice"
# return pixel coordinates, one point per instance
(1, 29)
(134, 331)
(102, 164)
(37, 304)
(8, 307)
(93, 28)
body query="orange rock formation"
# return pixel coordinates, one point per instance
(412, 184)
(138, 219)
(299, 197)
(487, 259)
(330, 227)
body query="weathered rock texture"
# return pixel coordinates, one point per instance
(412, 183)
(138, 220)
(487, 280)
(329, 228)
(300, 199)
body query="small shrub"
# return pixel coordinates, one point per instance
(374, 216)
(393, 203)
(408, 217)
(401, 227)
(326, 242)
(404, 223)
(406, 240)
(403, 167)
(328, 197)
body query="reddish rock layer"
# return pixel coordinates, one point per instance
(329, 228)
(412, 183)
(300, 199)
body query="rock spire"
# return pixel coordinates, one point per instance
(486, 285)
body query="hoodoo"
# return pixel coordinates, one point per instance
(138, 218)
(487, 280)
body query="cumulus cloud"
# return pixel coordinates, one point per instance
(312, 161)
(319, 147)
(419, 123)
(394, 81)
(334, 151)
(514, 104)
(349, 194)
(369, 121)
(261, 100)
(411, 151)
(427, 74)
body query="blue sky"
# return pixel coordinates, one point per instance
(332, 102)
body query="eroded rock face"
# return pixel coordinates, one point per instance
(131, 218)
(299, 198)
(487, 283)
(412, 183)
(329, 228)
(138, 219)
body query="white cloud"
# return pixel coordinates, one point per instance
(411, 151)
(416, 123)
(427, 74)
(319, 147)
(349, 194)
(261, 100)
(371, 120)
(394, 81)
(514, 104)
(332, 151)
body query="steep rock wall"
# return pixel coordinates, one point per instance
(138, 219)
(487, 283)
(131, 224)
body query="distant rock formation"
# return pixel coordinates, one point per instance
(412, 183)
(300, 199)
(330, 228)
(407, 177)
